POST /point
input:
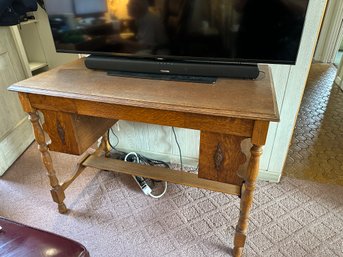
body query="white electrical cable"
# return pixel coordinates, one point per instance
(147, 190)
(132, 153)
(162, 194)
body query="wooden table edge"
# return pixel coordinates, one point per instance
(150, 105)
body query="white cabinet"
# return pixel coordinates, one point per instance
(28, 38)
(15, 129)
(35, 45)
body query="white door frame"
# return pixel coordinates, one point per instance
(339, 76)
(331, 34)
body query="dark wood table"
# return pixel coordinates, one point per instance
(80, 105)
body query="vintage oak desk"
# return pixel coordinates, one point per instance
(80, 105)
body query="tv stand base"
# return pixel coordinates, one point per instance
(79, 106)
(170, 77)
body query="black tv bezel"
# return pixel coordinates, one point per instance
(185, 59)
(195, 59)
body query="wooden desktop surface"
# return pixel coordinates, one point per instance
(247, 99)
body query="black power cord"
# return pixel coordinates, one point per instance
(135, 157)
(142, 158)
(114, 134)
(178, 145)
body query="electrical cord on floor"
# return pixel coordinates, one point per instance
(142, 182)
(143, 159)
(138, 158)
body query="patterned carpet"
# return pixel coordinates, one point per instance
(111, 217)
(316, 151)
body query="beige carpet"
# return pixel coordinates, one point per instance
(316, 150)
(111, 217)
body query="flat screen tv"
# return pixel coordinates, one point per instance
(225, 38)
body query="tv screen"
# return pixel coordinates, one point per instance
(248, 31)
(89, 7)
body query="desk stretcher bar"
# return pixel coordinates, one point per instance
(159, 173)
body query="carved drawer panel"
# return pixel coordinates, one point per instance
(222, 157)
(73, 133)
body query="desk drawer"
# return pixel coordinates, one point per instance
(72, 133)
(223, 158)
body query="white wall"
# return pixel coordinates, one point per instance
(289, 85)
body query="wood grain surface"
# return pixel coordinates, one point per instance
(159, 173)
(72, 133)
(234, 126)
(220, 157)
(251, 99)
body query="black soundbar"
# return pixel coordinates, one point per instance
(171, 68)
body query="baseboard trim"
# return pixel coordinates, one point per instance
(338, 80)
(269, 176)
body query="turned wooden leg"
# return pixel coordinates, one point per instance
(104, 147)
(246, 200)
(57, 191)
